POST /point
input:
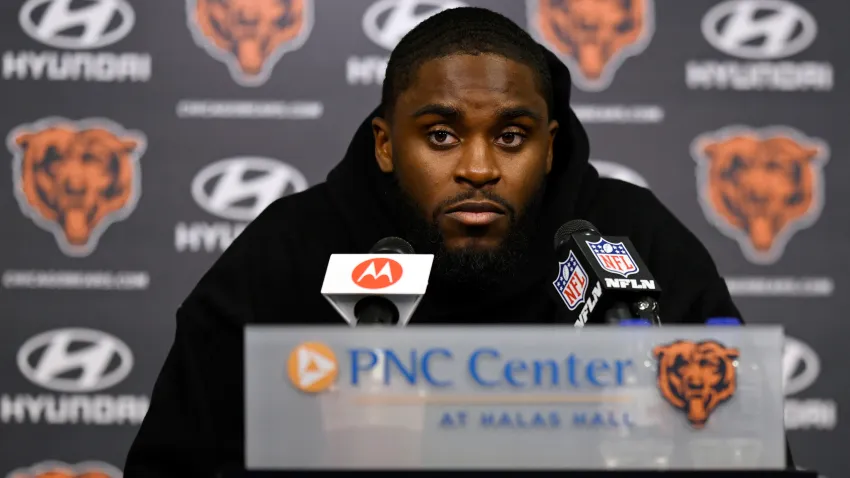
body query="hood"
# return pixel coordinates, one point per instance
(361, 191)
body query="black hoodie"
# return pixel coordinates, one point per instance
(273, 272)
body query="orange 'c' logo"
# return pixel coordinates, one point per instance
(593, 37)
(75, 178)
(312, 367)
(376, 273)
(250, 36)
(760, 186)
(696, 377)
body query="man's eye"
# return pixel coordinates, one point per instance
(442, 138)
(511, 139)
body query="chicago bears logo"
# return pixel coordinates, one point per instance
(593, 37)
(760, 186)
(571, 282)
(57, 469)
(696, 377)
(75, 178)
(250, 36)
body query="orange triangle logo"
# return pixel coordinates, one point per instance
(312, 366)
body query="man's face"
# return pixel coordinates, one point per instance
(470, 144)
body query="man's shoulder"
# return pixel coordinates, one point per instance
(275, 267)
(620, 208)
(675, 256)
(293, 227)
(623, 192)
(301, 204)
(308, 210)
(623, 208)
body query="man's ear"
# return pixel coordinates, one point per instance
(553, 130)
(383, 144)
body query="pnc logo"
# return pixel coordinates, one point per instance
(312, 367)
(250, 36)
(376, 273)
(760, 186)
(593, 37)
(76, 178)
(696, 377)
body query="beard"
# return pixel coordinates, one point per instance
(469, 269)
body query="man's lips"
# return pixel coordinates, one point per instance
(475, 213)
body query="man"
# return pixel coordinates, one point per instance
(474, 156)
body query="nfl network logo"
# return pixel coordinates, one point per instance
(613, 257)
(571, 283)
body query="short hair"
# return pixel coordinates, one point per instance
(465, 30)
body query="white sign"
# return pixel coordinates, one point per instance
(401, 278)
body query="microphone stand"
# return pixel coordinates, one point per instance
(618, 312)
(375, 309)
(647, 308)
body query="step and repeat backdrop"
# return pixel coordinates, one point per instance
(143, 135)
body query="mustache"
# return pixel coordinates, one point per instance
(474, 194)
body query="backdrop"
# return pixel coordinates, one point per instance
(142, 135)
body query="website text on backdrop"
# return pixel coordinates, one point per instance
(476, 158)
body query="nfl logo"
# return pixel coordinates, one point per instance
(613, 257)
(571, 283)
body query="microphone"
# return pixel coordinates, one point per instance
(602, 279)
(377, 309)
(392, 245)
(383, 286)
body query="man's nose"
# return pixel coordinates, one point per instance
(477, 166)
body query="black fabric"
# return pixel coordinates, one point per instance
(273, 272)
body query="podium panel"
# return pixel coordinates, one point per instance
(534, 397)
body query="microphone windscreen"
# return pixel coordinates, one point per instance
(392, 245)
(569, 228)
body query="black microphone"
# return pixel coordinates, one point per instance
(601, 279)
(376, 309)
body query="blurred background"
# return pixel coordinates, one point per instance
(143, 135)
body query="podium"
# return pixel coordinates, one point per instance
(612, 401)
